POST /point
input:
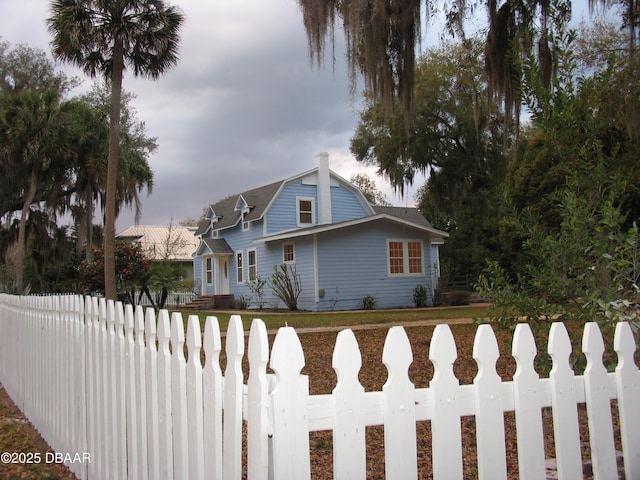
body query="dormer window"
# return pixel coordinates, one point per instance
(305, 211)
(212, 218)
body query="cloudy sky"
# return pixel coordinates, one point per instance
(242, 108)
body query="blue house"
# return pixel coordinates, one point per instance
(342, 248)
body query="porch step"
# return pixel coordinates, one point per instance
(208, 302)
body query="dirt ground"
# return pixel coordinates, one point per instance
(27, 452)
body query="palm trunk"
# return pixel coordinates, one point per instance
(85, 222)
(22, 231)
(110, 287)
(88, 226)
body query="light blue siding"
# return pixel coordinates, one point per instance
(282, 213)
(345, 205)
(197, 274)
(303, 265)
(266, 257)
(353, 263)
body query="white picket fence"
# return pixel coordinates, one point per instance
(96, 378)
(174, 299)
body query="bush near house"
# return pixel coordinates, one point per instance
(132, 265)
(285, 283)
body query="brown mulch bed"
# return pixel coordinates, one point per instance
(17, 435)
(318, 350)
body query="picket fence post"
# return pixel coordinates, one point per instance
(528, 408)
(564, 400)
(232, 401)
(165, 423)
(56, 365)
(492, 460)
(81, 393)
(62, 372)
(258, 403)
(400, 451)
(195, 412)
(151, 381)
(133, 439)
(627, 378)
(349, 441)
(179, 398)
(289, 408)
(596, 383)
(140, 394)
(444, 400)
(212, 399)
(91, 386)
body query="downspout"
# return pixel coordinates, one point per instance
(316, 282)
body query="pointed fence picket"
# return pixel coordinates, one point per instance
(194, 400)
(348, 421)
(399, 408)
(489, 406)
(627, 378)
(527, 403)
(129, 389)
(212, 399)
(444, 397)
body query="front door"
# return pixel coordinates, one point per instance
(222, 277)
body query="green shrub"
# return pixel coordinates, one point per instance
(459, 297)
(420, 296)
(368, 302)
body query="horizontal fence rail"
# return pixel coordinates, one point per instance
(132, 391)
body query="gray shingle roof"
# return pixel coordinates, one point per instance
(258, 199)
(218, 246)
(412, 215)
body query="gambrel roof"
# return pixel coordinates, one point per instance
(227, 213)
(254, 203)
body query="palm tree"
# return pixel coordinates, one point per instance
(90, 138)
(103, 37)
(30, 129)
(89, 133)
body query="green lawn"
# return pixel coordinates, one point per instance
(332, 319)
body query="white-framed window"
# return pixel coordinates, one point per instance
(245, 224)
(240, 267)
(288, 252)
(305, 208)
(405, 257)
(252, 263)
(208, 270)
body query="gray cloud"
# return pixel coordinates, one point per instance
(242, 108)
